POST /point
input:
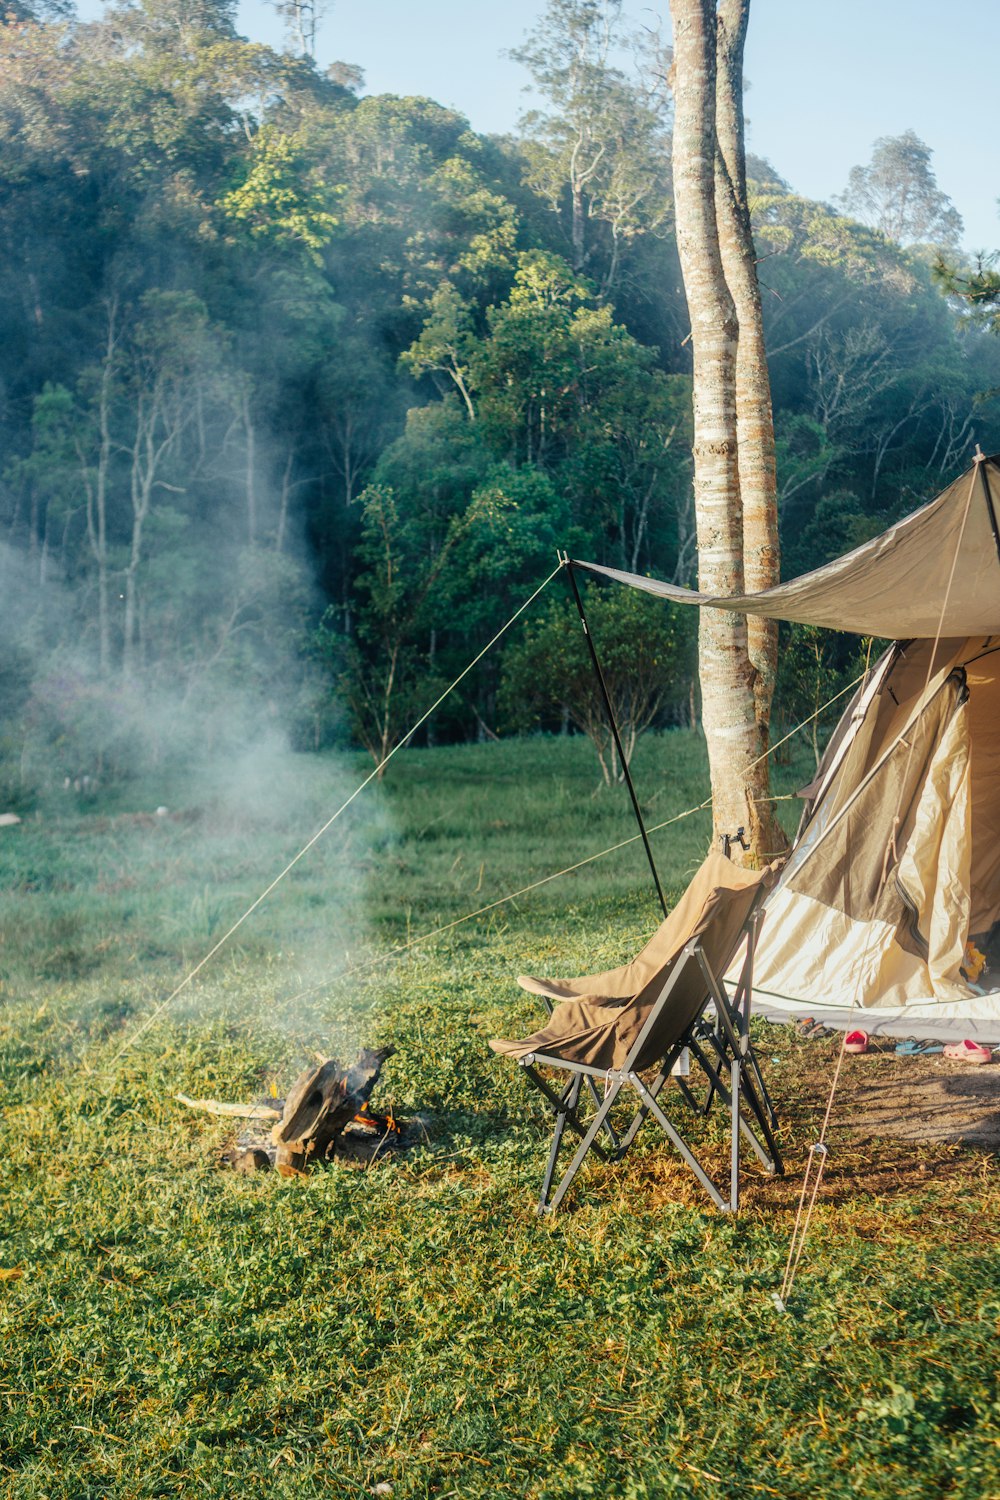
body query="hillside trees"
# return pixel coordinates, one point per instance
(561, 431)
(242, 305)
(598, 150)
(897, 194)
(647, 659)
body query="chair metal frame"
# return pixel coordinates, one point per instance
(724, 1052)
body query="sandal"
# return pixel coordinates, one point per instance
(969, 1052)
(914, 1048)
(856, 1041)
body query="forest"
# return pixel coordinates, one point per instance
(301, 388)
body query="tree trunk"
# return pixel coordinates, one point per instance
(728, 709)
(754, 418)
(251, 468)
(95, 484)
(141, 489)
(579, 221)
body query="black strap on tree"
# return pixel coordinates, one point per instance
(567, 564)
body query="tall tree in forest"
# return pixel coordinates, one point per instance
(597, 151)
(717, 263)
(754, 417)
(897, 194)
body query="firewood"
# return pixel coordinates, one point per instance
(321, 1102)
(240, 1111)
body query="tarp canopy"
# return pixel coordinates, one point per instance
(900, 585)
(897, 863)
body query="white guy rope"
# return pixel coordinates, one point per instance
(819, 1152)
(153, 1017)
(425, 937)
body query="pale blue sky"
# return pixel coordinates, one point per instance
(825, 78)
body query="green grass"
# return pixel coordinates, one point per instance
(174, 1330)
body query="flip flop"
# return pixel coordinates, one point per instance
(968, 1052)
(913, 1048)
(856, 1041)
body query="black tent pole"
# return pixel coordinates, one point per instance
(567, 564)
(980, 461)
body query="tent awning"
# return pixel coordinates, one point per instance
(936, 570)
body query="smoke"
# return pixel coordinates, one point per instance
(194, 757)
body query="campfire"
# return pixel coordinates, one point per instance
(326, 1117)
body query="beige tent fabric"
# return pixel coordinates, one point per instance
(853, 863)
(877, 916)
(868, 913)
(897, 585)
(935, 866)
(983, 673)
(600, 1016)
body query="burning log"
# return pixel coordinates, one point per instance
(323, 1102)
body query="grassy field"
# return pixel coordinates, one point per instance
(172, 1329)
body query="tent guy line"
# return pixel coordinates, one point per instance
(819, 1153)
(151, 1019)
(352, 969)
(425, 937)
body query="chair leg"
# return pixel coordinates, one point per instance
(663, 1077)
(763, 1114)
(571, 1097)
(765, 1097)
(589, 1140)
(734, 1133)
(563, 1108)
(591, 1086)
(679, 1144)
(743, 1090)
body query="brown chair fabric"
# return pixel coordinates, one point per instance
(599, 1016)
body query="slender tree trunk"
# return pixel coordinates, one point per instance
(463, 389)
(251, 469)
(141, 488)
(754, 416)
(579, 221)
(95, 483)
(728, 710)
(286, 490)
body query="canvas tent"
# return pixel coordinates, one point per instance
(897, 861)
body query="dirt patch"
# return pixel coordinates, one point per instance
(883, 1096)
(923, 1099)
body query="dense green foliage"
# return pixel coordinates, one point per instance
(172, 1330)
(300, 390)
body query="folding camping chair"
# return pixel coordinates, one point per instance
(607, 1030)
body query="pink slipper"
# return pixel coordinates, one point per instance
(856, 1041)
(970, 1052)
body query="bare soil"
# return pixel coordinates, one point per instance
(881, 1095)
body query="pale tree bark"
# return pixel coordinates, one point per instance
(754, 418)
(739, 777)
(95, 483)
(250, 450)
(159, 421)
(754, 415)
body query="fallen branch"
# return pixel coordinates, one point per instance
(241, 1111)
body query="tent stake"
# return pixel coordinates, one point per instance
(567, 564)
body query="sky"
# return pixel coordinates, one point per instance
(826, 79)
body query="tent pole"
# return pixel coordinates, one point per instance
(980, 461)
(567, 564)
